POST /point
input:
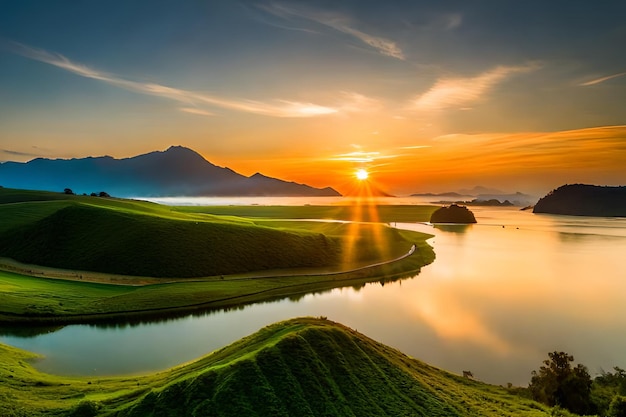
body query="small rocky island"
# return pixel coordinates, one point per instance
(453, 214)
(584, 200)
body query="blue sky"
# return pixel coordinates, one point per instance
(307, 91)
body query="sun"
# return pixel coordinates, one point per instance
(362, 175)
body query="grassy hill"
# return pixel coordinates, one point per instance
(232, 260)
(302, 367)
(92, 238)
(97, 236)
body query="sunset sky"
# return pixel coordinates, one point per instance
(426, 95)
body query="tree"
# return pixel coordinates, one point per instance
(103, 194)
(617, 407)
(68, 191)
(607, 388)
(559, 384)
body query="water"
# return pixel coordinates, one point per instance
(500, 295)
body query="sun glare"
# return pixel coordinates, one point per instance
(362, 174)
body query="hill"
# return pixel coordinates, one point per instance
(143, 239)
(178, 171)
(88, 243)
(301, 367)
(453, 214)
(89, 238)
(584, 200)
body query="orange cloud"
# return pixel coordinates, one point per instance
(531, 161)
(459, 92)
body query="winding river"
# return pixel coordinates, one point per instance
(500, 295)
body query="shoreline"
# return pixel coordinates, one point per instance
(400, 267)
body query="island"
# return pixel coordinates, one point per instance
(584, 200)
(453, 214)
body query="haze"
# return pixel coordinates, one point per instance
(424, 96)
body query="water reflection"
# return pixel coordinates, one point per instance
(27, 331)
(493, 302)
(453, 228)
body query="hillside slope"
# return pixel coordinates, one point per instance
(92, 238)
(301, 367)
(584, 200)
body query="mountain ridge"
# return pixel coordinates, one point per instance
(177, 171)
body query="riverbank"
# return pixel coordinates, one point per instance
(38, 300)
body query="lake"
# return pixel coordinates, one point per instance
(500, 295)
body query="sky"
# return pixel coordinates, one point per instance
(427, 96)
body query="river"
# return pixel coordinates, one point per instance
(500, 295)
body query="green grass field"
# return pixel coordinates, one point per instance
(302, 367)
(192, 259)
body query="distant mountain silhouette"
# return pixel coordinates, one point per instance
(479, 189)
(584, 200)
(481, 194)
(178, 171)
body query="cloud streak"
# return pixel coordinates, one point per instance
(460, 92)
(602, 79)
(17, 153)
(275, 108)
(339, 23)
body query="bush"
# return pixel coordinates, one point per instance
(85, 409)
(617, 407)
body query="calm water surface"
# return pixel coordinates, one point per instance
(500, 295)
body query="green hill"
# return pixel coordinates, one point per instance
(99, 239)
(144, 239)
(92, 242)
(302, 367)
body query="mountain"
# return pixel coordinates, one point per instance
(517, 199)
(584, 200)
(303, 367)
(178, 171)
(482, 194)
(453, 214)
(479, 189)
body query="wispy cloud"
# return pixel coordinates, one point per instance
(362, 157)
(273, 108)
(193, 110)
(357, 156)
(460, 92)
(416, 147)
(339, 23)
(17, 153)
(602, 79)
(353, 102)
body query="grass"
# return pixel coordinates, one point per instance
(191, 259)
(301, 367)
(352, 212)
(40, 300)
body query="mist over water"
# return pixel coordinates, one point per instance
(500, 295)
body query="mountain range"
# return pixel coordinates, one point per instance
(178, 171)
(480, 193)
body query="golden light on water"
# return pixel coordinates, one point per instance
(364, 225)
